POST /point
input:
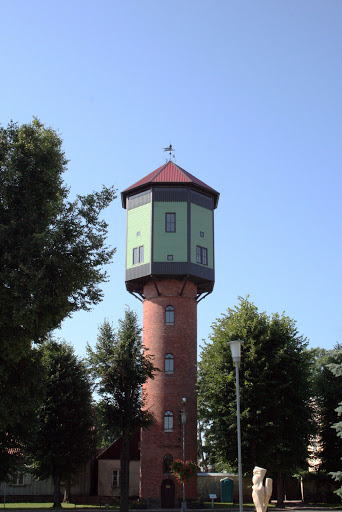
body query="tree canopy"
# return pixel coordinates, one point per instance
(121, 367)
(274, 392)
(20, 397)
(52, 253)
(62, 438)
(336, 368)
(51, 250)
(328, 394)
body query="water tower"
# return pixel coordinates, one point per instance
(170, 268)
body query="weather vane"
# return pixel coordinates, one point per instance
(170, 150)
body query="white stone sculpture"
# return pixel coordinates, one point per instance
(268, 492)
(261, 495)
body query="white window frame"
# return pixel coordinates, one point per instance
(138, 255)
(201, 255)
(169, 363)
(116, 479)
(170, 222)
(169, 315)
(168, 421)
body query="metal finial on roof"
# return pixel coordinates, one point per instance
(169, 150)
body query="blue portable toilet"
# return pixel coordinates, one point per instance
(227, 490)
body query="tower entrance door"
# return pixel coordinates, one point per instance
(167, 494)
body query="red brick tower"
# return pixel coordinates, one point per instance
(170, 267)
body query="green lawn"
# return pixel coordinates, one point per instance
(217, 506)
(49, 505)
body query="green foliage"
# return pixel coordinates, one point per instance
(25, 383)
(121, 367)
(328, 393)
(51, 256)
(105, 435)
(62, 439)
(274, 391)
(52, 250)
(336, 368)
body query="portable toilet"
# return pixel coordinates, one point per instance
(227, 490)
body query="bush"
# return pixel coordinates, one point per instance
(138, 504)
(196, 504)
(319, 487)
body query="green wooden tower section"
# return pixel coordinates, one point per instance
(170, 229)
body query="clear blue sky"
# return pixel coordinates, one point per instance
(250, 95)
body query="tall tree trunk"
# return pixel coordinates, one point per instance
(124, 473)
(202, 454)
(56, 491)
(280, 489)
(67, 493)
(253, 453)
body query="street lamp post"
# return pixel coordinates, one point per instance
(236, 354)
(183, 418)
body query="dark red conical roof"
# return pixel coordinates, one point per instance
(168, 174)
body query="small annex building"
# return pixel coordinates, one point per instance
(108, 468)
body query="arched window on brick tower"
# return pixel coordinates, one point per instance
(167, 461)
(169, 363)
(169, 315)
(168, 421)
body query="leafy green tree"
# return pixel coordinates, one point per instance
(52, 253)
(62, 439)
(105, 434)
(336, 368)
(121, 367)
(274, 393)
(328, 395)
(28, 382)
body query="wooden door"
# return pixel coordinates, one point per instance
(168, 494)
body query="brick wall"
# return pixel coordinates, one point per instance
(166, 391)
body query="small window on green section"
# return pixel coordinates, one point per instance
(138, 233)
(138, 255)
(170, 257)
(170, 222)
(201, 255)
(202, 234)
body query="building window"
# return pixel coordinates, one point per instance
(138, 233)
(170, 257)
(138, 255)
(202, 234)
(167, 461)
(116, 479)
(168, 363)
(170, 222)
(17, 479)
(168, 421)
(201, 255)
(169, 315)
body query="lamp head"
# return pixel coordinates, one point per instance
(183, 417)
(235, 347)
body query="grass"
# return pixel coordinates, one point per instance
(49, 505)
(217, 506)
